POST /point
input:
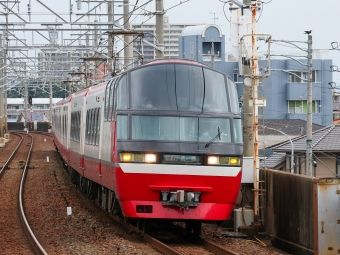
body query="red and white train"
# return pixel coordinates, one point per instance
(161, 141)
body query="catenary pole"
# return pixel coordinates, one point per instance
(159, 29)
(110, 37)
(51, 96)
(254, 84)
(2, 99)
(309, 158)
(127, 38)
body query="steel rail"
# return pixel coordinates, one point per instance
(12, 155)
(149, 239)
(214, 248)
(29, 233)
(205, 243)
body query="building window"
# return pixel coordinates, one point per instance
(235, 77)
(208, 47)
(300, 106)
(300, 76)
(260, 111)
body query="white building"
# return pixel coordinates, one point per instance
(171, 34)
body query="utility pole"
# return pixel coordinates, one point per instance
(213, 55)
(127, 38)
(309, 153)
(51, 96)
(95, 44)
(159, 29)
(2, 103)
(25, 107)
(110, 37)
(254, 85)
(5, 96)
(243, 34)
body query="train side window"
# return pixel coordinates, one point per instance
(78, 125)
(87, 132)
(122, 94)
(98, 126)
(75, 124)
(216, 98)
(107, 100)
(233, 95)
(95, 125)
(238, 131)
(64, 125)
(111, 103)
(72, 126)
(122, 127)
(91, 126)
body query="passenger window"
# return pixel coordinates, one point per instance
(122, 94)
(107, 100)
(111, 103)
(91, 126)
(98, 126)
(87, 132)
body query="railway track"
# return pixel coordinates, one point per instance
(197, 245)
(86, 231)
(13, 175)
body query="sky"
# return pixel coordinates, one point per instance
(283, 19)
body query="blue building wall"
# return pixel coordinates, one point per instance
(277, 88)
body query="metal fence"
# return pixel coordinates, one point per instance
(302, 213)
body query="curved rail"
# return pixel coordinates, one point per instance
(165, 248)
(205, 243)
(34, 241)
(214, 248)
(12, 155)
(150, 240)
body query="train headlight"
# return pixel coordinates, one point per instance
(126, 157)
(150, 158)
(137, 157)
(213, 160)
(234, 161)
(224, 161)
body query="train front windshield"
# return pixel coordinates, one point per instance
(179, 87)
(178, 102)
(180, 129)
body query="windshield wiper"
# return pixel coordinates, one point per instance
(213, 139)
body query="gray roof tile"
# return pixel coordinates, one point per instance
(325, 139)
(274, 160)
(287, 126)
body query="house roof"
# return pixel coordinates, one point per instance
(199, 30)
(274, 160)
(34, 116)
(325, 139)
(287, 126)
